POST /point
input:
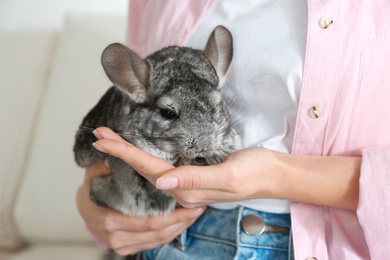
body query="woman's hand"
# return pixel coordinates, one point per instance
(125, 234)
(194, 186)
(235, 179)
(252, 173)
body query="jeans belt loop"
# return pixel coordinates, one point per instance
(182, 241)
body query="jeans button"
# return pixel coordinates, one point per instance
(253, 225)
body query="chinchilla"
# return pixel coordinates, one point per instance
(169, 105)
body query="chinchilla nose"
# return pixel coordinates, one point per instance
(191, 143)
(201, 145)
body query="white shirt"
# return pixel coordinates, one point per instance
(263, 84)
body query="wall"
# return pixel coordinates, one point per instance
(49, 14)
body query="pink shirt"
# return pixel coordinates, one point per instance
(345, 79)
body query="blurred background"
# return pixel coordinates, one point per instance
(50, 76)
(49, 14)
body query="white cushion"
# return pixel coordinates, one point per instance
(24, 65)
(46, 208)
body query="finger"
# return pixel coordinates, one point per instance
(151, 245)
(149, 166)
(123, 222)
(107, 133)
(99, 169)
(92, 214)
(135, 239)
(142, 240)
(212, 177)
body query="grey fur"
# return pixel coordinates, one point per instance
(170, 105)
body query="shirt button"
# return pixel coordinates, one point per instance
(253, 225)
(315, 112)
(325, 22)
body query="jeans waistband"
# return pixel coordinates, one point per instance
(225, 226)
(220, 235)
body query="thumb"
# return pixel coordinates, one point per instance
(192, 178)
(99, 169)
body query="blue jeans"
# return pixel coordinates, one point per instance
(218, 234)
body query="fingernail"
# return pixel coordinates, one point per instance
(97, 135)
(99, 148)
(106, 164)
(197, 212)
(167, 183)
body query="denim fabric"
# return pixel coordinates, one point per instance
(218, 234)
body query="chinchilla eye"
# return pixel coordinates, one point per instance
(169, 114)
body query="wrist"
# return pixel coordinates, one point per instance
(322, 180)
(268, 174)
(280, 185)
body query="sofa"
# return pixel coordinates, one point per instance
(49, 80)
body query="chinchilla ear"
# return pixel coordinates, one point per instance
(219, 51)
(126, 70)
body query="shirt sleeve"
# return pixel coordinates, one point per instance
(374, 200)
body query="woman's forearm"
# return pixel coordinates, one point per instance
(324, 180)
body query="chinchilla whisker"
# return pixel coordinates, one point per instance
(236, 122)
(209, 111)
(148, 138)
(223, 130)
(233, 120)
(89, 130)
(231, 123)
(85, 128)
(67, 121)
(239, 90)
